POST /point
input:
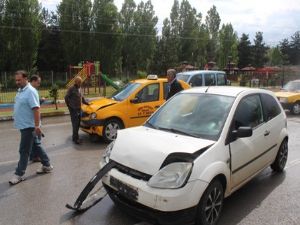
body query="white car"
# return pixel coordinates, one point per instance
(199, 147)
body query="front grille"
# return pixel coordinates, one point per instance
(84, 114)
(133, 173)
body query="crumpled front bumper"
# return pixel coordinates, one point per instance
(92, 126)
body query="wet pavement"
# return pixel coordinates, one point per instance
(270, 198)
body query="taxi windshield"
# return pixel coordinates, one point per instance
(196, 115)
(126, 91)
(292, 86)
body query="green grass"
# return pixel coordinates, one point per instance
(43, 110)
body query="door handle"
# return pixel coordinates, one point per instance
(266, 133)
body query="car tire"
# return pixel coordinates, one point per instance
(295, 109)
(281, 157)
(110, 128)
(211, 204)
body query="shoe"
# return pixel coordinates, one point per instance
(77, 142)
(45, 169)
(16, 179)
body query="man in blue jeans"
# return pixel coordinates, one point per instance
(27, 120)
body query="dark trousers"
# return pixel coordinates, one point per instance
(75, 119)
(38, 151)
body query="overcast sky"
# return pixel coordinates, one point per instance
(277, 19)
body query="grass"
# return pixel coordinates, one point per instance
(43, 110)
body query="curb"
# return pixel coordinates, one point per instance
(48, 114)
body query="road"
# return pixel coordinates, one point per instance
(40, 200)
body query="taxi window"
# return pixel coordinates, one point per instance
(149, 93)
(166, 89)
(125, 91)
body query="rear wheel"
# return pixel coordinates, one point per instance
(295, 109)
(281, 158)
(211, 204)
(110, 129)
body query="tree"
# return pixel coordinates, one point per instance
(106, 41)
(74, 22)
(275, 56)
(228, 45)
(259, 50)
(295, 48)
(53, 93)
(244, 51)
(213, 24)
(21, 33)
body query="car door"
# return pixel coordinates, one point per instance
(146, 101)
(246, 153)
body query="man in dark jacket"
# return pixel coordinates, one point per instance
(73, 100)
(174, 85)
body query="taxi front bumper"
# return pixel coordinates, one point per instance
(92, 126)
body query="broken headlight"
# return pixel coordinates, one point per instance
(174, 175)
(106, 155)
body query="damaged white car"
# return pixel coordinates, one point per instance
(199, 147)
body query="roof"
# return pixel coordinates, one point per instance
(149, 81)
(200, 71)
(225, 90)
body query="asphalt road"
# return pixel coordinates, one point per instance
(40, 200)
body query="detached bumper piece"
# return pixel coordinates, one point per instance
(130, 206)
(92, 194)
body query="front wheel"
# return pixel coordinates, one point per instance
(281, 157)
(211, 204)
(110, 129)
(295, 109)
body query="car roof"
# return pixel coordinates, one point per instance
(143, 81)
(200, 71)
(226, 90)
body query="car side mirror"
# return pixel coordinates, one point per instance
(134, 100)
(241, 132)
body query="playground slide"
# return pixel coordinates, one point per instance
(109, 81)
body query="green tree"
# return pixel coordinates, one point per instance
(259, 50)
(295, 48)
(244, 51)
(228, 45)
(213, 24)
(275, 56)
(106, 42)
(21, 33)
(53, 93)
(74, 21)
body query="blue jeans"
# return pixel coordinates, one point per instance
(27, 141)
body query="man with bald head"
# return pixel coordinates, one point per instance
(174, 85)
(73, 100)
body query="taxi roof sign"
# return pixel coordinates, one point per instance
(152, 77)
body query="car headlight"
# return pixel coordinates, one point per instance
(106, 155)
(172, 176)
(93, 116)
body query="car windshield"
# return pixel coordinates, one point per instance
(183, 77)
(124, 92)
(197, 115)
(292, 86)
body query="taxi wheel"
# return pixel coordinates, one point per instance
(110, 129)
(295, 109)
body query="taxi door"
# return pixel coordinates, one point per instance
(144, 103)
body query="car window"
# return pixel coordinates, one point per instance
(127, 90)
(210, 79)
(196, 80)
(221, 79)
(166, 90)
(149, 93)
(249, 112)
(271, 107)
(183, 77)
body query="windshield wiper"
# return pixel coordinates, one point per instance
(177, 131)
(148, 124)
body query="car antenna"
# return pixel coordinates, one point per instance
(206, 89)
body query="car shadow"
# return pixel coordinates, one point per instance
(245, 200)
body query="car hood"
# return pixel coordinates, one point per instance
(286, 94)
(97, 104)
(145, 149)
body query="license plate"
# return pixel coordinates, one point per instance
(124, 189)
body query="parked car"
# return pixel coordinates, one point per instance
(289, 96)
(198, 78)
(129, 107)
(199, 147)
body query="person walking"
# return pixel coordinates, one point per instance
(27, 120)
(73, 100)
(174, 85)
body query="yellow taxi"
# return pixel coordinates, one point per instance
(289, 96)
(129, 107)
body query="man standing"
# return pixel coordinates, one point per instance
(27, 120)
(73, 100)
(174, 85)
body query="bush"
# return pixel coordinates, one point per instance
(53, 92)
(141, 74)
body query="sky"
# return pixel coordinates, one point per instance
(277, 19)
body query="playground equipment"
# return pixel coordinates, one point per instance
(91, 77)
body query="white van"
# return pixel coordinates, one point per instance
(203, 78)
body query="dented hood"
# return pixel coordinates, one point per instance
(144, 149)
(97, 104)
